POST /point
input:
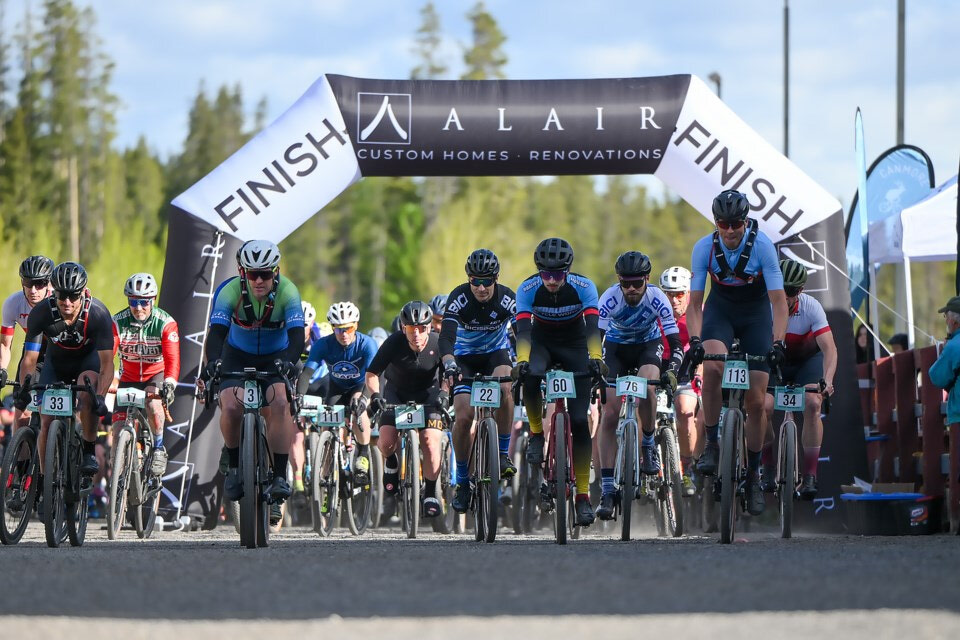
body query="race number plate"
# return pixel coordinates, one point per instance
(560, 385)
(130, 397)
(57, 402)
(330, 416)
(520, 414)
(633, 386)
(34, 398)
(736, 375)
(788, 399)
(485, 394)
(251, 394)
(311, 402)
(410, 417)
(662, 406)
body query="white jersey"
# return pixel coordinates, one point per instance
(16, 310)
(651, 319)
(806, 321)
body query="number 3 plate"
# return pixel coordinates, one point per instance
(633, 386)
(736, 375)
(788, 399)
(57, 402)
(560, 385)
(485, 394)
(410, 417)
(251, 394)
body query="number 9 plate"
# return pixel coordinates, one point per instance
(409, 417)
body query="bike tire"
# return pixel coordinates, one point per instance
(13, 524)
(264, 467)
(490, 480)
(445, 489)
(119, 481)
(376, 486)
(325, 474)
(730, 455)
(520, 483)
(787, 476)
(310, 482)
(358, 502)
(560, 462)
(410, 483)
(628, 487)
(248, 478)
(76, 503)
(673, 475)
(54, 484)
(146, 512)
(709, 516)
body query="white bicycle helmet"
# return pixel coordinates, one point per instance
(140, 285)
(341, 313)
(379, 334)
(309, 313)
(675, 279)
(258, 254)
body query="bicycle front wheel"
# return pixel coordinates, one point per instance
(249, 502)
(560, 477)
(443, 523)
(54, 484)
(19, 488)
(359, 502)
(376, 486)
(123, 456)
(76, 494)
(787, 476)
(730, 454)
(673, 482)
(410, 482)
(488, 478)
(628, 486)
(325, 474)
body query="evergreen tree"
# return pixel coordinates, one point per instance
(427, 45)
(484, 58)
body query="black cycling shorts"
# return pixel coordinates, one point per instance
(805, 372)
(429, 398)
(233, 360)
(750, 321)
(621, 358)
(480, 364)
(68, 370)
(337, 395)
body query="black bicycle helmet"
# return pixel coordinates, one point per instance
(794, 273)
(396, 324)
(438, 304)
(553, 254)
(730, 205)
(36, 268)
(416, 312)
(482, 263)
(633, 264)
(69, 277)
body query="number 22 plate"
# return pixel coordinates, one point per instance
(560, 385)
(57, 402)
(736, 375)
(787, 399)
(485, 394)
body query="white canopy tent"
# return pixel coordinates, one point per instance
(925, 232)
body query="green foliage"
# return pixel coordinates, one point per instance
(427, 47)
(484, 58)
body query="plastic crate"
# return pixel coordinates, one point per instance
(891, 514)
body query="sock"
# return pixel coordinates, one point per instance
(504, 441)
(535, 415)
(766, 456)
(363, 450)
(391, 464)
(713, 433)
(463, 472)
(686, 462)
(89, 448)
(810, 457)
(429, 488)
(581, 467)
(753, 461)
(280, 464)
(158, 441)
(233, 455)
(647, 440)
(606, 480)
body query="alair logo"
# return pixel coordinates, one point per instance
(384, 118)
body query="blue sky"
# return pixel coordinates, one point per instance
(843, 55)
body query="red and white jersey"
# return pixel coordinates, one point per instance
(807, 320)
(16, 310)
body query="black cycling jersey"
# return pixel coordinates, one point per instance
(472, 327)
(404, 369)
(92, 331)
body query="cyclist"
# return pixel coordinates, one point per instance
(635, 317)
(438, 305)
(409, 360)
(379, 335)
(675, 283)
(736, 308)
(347, 354)
(473, 341)
(34, 287)
(257, 318)
(811, 355)
(311, 330)
(79, 343)
(148, 340)
(557, 320)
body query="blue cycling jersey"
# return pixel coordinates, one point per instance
(258, 335)
(651, 319)
(348, 365)
(575, 298)
(763, 264)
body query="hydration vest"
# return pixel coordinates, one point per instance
(740, 271)
(69, 336)
(245, 303)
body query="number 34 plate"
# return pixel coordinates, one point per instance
(787, 399)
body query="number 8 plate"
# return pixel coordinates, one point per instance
(485, 394)
(57, 402)
(560, 385)
(736, 375)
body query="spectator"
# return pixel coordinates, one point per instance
(898, 342)
(945, 370)
(864, 345)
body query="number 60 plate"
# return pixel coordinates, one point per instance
(560, 385)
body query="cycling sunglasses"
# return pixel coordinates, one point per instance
(35, 284)
(792, 292)
(733, 224)
(139, 302)
(482, 282)
(265, 276)
(350, 328)
(633, 283)
(555, 276)
(66, 295)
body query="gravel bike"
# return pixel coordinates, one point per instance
(20, 475)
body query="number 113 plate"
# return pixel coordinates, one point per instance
(736, 375)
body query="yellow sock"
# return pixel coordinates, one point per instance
(535, 417)
(581, 467)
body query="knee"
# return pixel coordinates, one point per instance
(813, 404)
(754, 404)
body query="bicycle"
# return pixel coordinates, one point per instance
(790, 398)
(558, 489)
(410, 418)
(331, 477)
(20, 474)
(733, 446)
(526, 482)
(448, 521)
(131, 480)
(256, 462)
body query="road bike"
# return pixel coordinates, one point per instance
(526, 482)
(20, 475)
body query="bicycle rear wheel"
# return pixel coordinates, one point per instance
(787, 476)
(673, 478)
(359, 502)
(325, 481)
(54, 484)
(521, 486)
(730, 455)
(78, 488)
(123, 461)
(248, 477)
(410, 482)
(560, 477)
(376, 486)
(145, 513)
(628, 487)
(19, 488)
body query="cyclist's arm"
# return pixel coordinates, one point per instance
(31, 345)
(676, 351)
(778, 299)
(170, 345)
(448, 337)
(105, 380)
(314, 360)
(594, 337)
(6, 340)
(695, 313)
(216, 338)
(372, 384)
(829, 348)
(524, 327)
(699, 266)
(296, 340)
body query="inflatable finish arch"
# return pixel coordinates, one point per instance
(344, 128)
